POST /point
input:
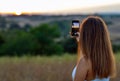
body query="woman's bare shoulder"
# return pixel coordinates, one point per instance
(81, 70)
(86, 67)
(84, 62)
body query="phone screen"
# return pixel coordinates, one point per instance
(75, 27)
(75, 24)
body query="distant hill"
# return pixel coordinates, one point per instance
(64, 21)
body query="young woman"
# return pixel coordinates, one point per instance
(95, 55)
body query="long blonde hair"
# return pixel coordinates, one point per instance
(95, 45)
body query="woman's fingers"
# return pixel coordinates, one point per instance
(71, 35)
(78, 37)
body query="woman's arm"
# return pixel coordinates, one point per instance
(78, 47)
(81, 70)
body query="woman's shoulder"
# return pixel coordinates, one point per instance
(83, 61)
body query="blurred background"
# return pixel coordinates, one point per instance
(35, 44)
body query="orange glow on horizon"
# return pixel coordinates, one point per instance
(18, 13)
(21, 13)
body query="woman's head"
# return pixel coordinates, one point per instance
(95, 45)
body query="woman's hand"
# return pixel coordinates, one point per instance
(77, 37)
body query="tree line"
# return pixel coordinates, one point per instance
(45, 39)
(41, 40)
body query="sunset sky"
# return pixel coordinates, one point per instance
(50, 6)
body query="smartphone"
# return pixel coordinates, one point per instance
(75, 27)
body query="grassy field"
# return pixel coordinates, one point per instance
(37, 68)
